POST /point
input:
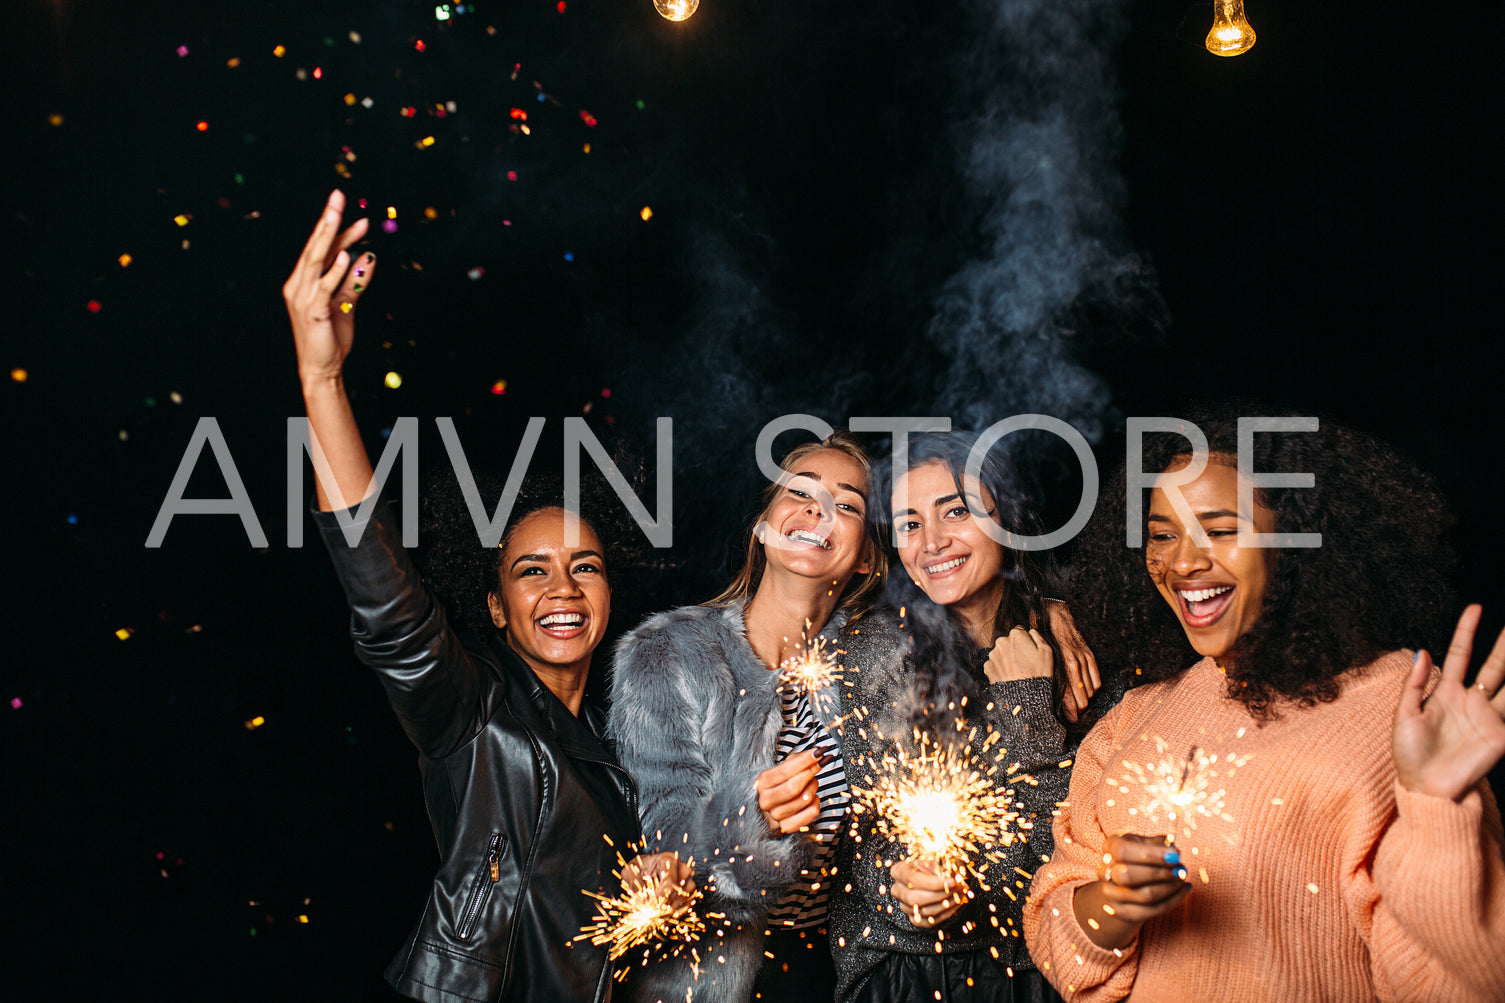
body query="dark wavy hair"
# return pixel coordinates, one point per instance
(948, 664)
(461, 573)
(1377, 583)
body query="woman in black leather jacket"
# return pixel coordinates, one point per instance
(519, 785)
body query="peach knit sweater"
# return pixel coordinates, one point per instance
(1316, 876)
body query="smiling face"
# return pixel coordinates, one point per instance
(802, 537)
(1218, 590)
(553, 601)
(944, 547)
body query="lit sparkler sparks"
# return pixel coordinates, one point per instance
(813, 670)
(941, 806)
(646, 916)
(1182, 791)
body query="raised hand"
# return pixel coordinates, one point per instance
(323, 290)
(927, 896)
(1445, 743)
(787, 792)
(1142, 877)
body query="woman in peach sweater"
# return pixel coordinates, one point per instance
(1301, 814)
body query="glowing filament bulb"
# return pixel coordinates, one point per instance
(1231, 33)
(676, 10)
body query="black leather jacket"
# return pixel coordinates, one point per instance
(519, 792)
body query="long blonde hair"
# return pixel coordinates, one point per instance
(861, 590)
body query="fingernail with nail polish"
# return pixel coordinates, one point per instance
(1172, 857)
(1181, 873)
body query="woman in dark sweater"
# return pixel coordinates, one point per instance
(964, 653)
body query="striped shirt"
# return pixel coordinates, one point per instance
(804, 905)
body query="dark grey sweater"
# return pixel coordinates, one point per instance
(865, 921)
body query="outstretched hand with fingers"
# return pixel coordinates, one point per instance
(1445, 743)
(323, 290)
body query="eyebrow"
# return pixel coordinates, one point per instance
(544, 558)
(841, 484)
(944, 499)
(1221, 513)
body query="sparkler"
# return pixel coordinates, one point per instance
(941, 806)
(1182, 791)
(646, 916)
(813, 670)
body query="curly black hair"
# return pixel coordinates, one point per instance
(461, 573)
(1377, 583)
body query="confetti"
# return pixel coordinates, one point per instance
(182, 219)
(15, 703)
(280, 51)
(586, 117)
(54, 120)
(202, 126)
(94, 306)
(19, 375)
(646, 213)
(255, 722)
(499, 388)
(182, 51)
(125, 260)
(124, 633)
(393, 380)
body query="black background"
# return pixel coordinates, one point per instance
(1318, 215)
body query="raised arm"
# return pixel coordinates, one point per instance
(1438, 884)
(398, 629)
(321, 295)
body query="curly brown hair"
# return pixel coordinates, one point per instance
(1377, 583)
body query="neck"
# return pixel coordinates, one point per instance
(776, 614)
(567, 682)
(979, 614)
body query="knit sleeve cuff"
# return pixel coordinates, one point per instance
(1083, 964)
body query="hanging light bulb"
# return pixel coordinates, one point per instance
(676, 10)
(1231, 33)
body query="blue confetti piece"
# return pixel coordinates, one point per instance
(72, 519)
(569, 255)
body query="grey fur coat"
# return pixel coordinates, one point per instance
(695, 716)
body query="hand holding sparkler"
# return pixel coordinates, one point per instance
(666, 873)
(656, 906)
(1446, 744)
(1142, 878)
(788, 792)
(928, 895)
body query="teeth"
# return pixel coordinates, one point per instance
(562, 620)
(805, 536)
(955, 562)
(1202, 595)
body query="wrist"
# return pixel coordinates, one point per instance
(321, 383)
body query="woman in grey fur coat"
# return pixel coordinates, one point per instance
(741, 785)
(965, 630)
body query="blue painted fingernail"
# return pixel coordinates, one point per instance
(1181, 873)
(1417, 658)
(1172, 857)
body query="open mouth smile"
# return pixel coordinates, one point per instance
(563, 625)
(941, 567)
(1201, 607)
(809, 538)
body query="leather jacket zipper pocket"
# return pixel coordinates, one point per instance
(489, 873)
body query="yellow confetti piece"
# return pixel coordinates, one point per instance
(1202, 871)
(348, 306)
(302, 918)
(391, 212)
(124, 633)
(280, 51)
(54, 120)
(425, 142)
(587, 147)
(430, 213)
(181, 219)
(19, 375)
(1312, 887)
(233, 62)
(125, 260)
(393, 380)
(350, 99)
(646, 213)
(255, 722)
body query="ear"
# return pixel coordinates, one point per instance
(498, 613)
